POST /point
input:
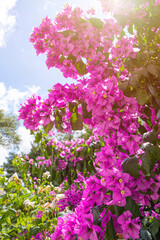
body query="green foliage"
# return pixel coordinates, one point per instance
(110, 231)
(19, 207)
(8, 127)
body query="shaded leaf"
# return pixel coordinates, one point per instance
(71, 57)
(122, 34)
(151, 156)
(154, 21)
(127, 89)
(86, 114)
(38, 137)
(58, 120)
(152, 89)
(96, 22)
(153, 69)
(142, 129)
(73, 107)
(81, 68)
(158, 115)
(61, 59)
(150, 136)
(148, 112)
(76, 121)
(131, 165)
(134, 80)
(96, 215)
(110, 231)
(145, 72)
(132, 206)
(130, 29)
(142, 96)
(123, 86)
(118, 210)
(48, 127)
(145, 234)
(155, 228)
(121, 19)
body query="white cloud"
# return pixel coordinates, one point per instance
(7, 19)
(10, 100)
(3, 154)
(48, 4)
(33, 89)
(27, 139)
(2, 89)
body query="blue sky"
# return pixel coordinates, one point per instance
(22, 72)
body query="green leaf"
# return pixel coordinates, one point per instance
(48, 127)
(110, 231)
(34, 169)
(66, 33)
(58, 120)
(134, 80)
(34, 231)
(73, 107)
(151, 156)
(38, 137)
(142, 96)
(155, 228)
(96, 22)
(153, 69)
(123, 85)
(151, 136)
(44, 217)
(130, 29)
(148, 112)
(96, 215)
(71, 57)
(118, 210)
(49, 150)
(132, 206)
(40, 171)
(6, 235)
(145, 234)
(61, 59)
(5, 216)
(131, 165)
(127, 89)
(154, 21)
(121, 19)
(142, 129)
(76, 121)
(86, 114)
(81, 68)
(121, 35)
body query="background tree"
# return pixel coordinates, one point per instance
(8, 166)
(8, 127)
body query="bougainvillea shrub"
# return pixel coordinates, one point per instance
(111, 183)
